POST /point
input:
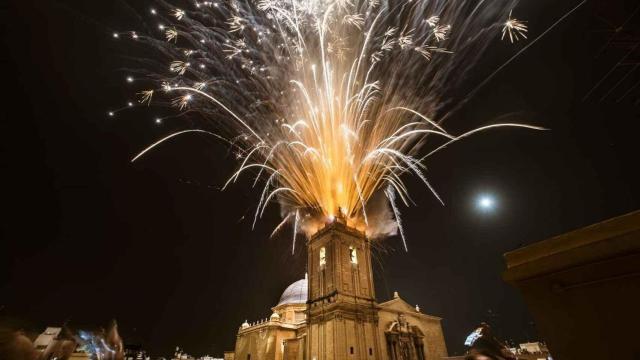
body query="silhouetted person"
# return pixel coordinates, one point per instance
(485, 346)
(15, 345)
(114, 341)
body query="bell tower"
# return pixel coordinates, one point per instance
(342, 320)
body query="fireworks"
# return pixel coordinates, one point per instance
(327, 102)
(515, 28)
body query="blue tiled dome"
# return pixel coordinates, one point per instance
(295, 293)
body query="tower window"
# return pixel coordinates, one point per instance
(323, 256)
(351, 350)
(352, 255)
(370, 351)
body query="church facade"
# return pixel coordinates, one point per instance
(332, 313)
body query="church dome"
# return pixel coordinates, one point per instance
(295, 293)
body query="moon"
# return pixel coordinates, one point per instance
(486, 202)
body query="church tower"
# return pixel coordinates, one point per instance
(342, 321)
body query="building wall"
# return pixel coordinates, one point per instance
(262, 343)
(333, 339)
(339, 274)
(291, 313)
(343, 339)
(343, 320)
(583, 289)
(45, 341)
(292, 349)
(434, 344)
(342, 315)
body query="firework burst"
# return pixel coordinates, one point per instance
(326, 102)
(515, 29)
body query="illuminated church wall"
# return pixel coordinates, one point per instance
(333, 314)
(429, 327)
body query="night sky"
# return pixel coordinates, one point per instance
(88, 237)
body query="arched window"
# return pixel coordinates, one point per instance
(353, 256)
(323, 256)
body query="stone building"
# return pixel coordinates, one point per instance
(332, 313)
(583, 287)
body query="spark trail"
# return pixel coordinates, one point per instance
(328, 103)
